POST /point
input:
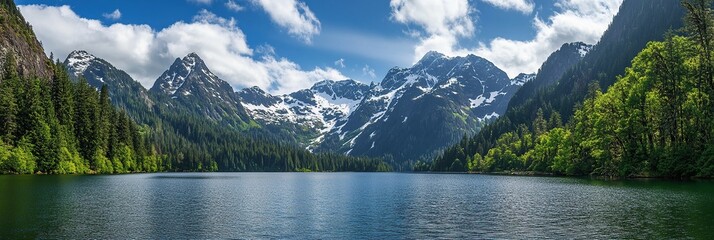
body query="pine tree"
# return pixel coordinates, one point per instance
(8, 102)
(104, 124)
(540, 126)
(39, 131)
(85, 115)
(62, 97)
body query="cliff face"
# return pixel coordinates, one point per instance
(18, 39)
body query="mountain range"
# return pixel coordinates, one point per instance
(412, 114)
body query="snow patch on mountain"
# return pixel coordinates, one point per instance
(79, 61)
(320, 107)
(522, 79)
(584, 49)
(489, 116)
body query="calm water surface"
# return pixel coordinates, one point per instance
(350, 205)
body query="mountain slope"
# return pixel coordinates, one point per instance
(189, 140)
(637, 23)
(124, 91)
(49, 125)
(189, 83)
(307, 115)
(551, 71)
(416, 111)
(18, 39)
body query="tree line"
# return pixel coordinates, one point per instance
(60, 127)
(656, 120)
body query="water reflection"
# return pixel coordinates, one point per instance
(350, 205)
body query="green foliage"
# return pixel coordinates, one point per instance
(126, 157)
(67, 162)
(19, 159)
(475, 164)
(104, 165)
(539, 107)
(4, 154)
(457, 166)
(656, 120)
(59, 127)
(8, 101)
(55, 125)
(706, 162)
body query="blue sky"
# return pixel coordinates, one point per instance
(368, 37)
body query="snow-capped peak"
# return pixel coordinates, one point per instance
(79, 61)
(254, 89)
(428, 59)
(191, 60)
(320, 108)
(580, 47)
(432, 55)
(522, 79)
(173, 78)
(348, 88)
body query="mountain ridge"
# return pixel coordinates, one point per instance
(425, 107)
(637, 23)
(190, 84)
(19, 41)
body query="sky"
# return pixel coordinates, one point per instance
(286, 45)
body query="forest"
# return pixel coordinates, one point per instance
(655, 121)
(60, 126)
(56, 126)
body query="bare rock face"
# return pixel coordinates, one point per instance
(18, 39)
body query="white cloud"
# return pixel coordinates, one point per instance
(116, 15)
(206, 2)
(573, 20)
(145, 53)
(368, 71)
(292, 15)
(265, 49)
(340, 63)
(443, 22)
(233, 6)
(523, 6)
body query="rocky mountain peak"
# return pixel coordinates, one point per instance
(523, 78)
(78, 61)
(189, 68)
(348, 88)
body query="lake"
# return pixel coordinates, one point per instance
(351, 205)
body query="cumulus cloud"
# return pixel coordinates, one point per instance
(116, 15)
(340, 63)
(145, 53)
(233, 6)
(292, 15)
(443, 23)
(573, 20)
(523, 6)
